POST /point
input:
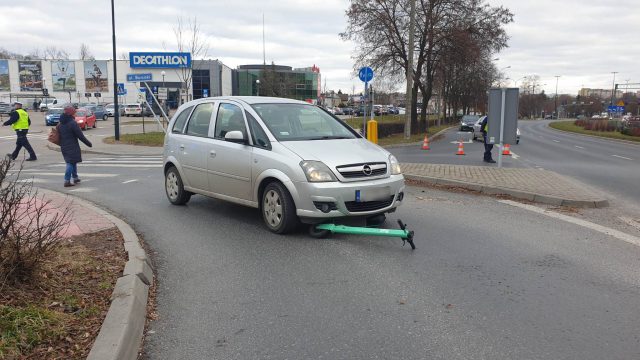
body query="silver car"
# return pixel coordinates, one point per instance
(292, 160)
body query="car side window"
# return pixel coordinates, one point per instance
(259, 137)
(200, 119)
(229, 119)
(178, 126)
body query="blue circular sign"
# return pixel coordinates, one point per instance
(366, 74)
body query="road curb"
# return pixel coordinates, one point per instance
(120, 335)
(518, 194)
(416, 143)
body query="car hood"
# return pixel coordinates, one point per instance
(338, 152)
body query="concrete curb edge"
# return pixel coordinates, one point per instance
(518, 194)
(120, 335)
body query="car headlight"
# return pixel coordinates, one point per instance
(316, 171)
(81, 121)
(395, 165)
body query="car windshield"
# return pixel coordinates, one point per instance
(295, 122)
(54, 111)
(470, 118)
(81, 113)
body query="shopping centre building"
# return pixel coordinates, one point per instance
(174, 76)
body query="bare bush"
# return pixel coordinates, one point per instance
(30, 227)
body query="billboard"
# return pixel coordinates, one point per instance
(95, 76)
(4, 76)
(159, 60)
(30, 74)
(63, 74)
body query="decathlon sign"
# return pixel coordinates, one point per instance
(159, 60)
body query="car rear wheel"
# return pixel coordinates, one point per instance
(174, 188)
(278, 209)
(105, 117)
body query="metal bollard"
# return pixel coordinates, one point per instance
(372, 131)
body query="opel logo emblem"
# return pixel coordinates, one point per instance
(366, 170)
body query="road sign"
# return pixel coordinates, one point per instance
(121, 89)
(510, 115)
(620, 103)
(205, 92)
(87, 95)
(366, 74)
(139, 77)
(162, 93)
(615, 109)
(97, 95)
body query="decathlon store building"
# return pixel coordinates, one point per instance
(84, 81)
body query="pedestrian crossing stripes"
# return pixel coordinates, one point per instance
(29, 136)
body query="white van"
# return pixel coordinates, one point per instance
(48, 103)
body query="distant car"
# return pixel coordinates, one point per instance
(110, 109)
(338, 111)
(477, 130)
(48, 103)
(5, 108)
(467, 122)
(52, 117)
(85, 118)
(99, 111)
(347, 111)
(133, 110)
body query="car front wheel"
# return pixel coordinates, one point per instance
(174, 188)
(278, 209)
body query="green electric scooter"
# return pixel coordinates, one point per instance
(323, 230)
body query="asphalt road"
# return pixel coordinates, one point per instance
(612, 167)
(487, 281)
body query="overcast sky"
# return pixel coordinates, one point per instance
(584, 41)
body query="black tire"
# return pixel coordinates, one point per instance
(318, 234)
(174, 188)
(105, 117)
(277, 208)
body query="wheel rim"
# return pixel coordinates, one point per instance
(172, 186)
(272, 207)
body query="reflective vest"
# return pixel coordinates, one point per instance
(23, 120)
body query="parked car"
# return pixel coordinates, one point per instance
(288, 158)
(85, 118)
(347, 111)
(133, 110)
(99, 111)
(337, 111)
(110, 109)
(5, 108)
(467, 122)
(47, 103)
(52, 117)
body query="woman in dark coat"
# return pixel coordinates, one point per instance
(70, 133)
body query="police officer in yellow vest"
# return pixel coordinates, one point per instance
(484, 126)
(20, 122)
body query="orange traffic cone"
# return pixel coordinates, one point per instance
(425, 143)
(507, 150)
(460, 148)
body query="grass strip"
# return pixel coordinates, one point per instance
(571, 127)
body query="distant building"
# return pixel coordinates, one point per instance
(277, 80)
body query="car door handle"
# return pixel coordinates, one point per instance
(212, 153)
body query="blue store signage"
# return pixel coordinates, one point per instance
(159, 60)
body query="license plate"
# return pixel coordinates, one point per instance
(373, 194)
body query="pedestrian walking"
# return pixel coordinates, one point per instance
(70, 133)
(484, 126)
(20, 122)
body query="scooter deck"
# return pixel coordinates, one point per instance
(402, 233)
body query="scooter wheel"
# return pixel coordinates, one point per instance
(317, 233)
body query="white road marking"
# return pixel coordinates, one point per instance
(130, 181)
(33, 172)
(114, 165)
(121, 161)
(579, 147)
(556, 141)
(83, 189)
(464, 142)
(599, 228)
(622, 157)
(515, 156)
(34, 180)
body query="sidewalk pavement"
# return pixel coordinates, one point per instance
(536, 185)
(120, 335)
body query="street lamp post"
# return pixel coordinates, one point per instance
(613, 86)
(116, 114)
(163, 73)
(555, 110)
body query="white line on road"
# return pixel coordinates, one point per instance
(37, 173)
(622, 157)
(515, 156)
(83, 189)
(556, 141)
(599, 228)
(579, 147)
(130, 181)
(115, 165)
(121, 162)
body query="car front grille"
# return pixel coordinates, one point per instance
(362, 170)
(354, 206)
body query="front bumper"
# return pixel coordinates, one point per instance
(52, 121)
(375, 197)
(466, 127)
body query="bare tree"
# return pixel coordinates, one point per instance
(124, 56)
(85, 53)
(189, 38)
(52, 52)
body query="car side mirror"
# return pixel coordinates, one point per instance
(235, 136)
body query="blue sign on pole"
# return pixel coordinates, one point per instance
(121, 89)
(616, 109)
(139, 77)
(205, 92)
(366, 74)
(159, 60)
